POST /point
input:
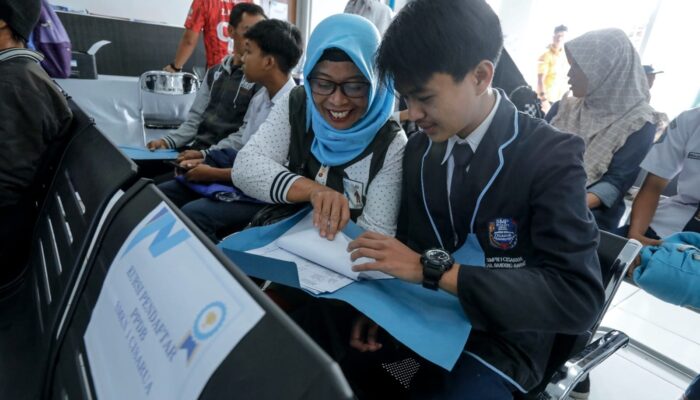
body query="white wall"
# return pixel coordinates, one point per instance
(171, 12)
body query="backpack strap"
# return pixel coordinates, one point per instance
(301, 138)
(385, 136)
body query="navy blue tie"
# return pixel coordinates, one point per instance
(461, 155)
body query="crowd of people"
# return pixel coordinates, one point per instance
(495, 206)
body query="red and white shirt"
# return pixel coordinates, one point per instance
(211, 16)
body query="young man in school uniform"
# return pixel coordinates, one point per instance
(493, 207)
(272, 49)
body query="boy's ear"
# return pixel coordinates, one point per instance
(270, 62)
(484, 75)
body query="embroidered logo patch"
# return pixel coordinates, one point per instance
(503, 233)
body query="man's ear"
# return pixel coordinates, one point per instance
(230, 29)
(3, 24)
(483, 73)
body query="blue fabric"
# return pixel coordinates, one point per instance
(357, 37)
(671, 271)
(142, 153)
(408, 312)
(218, 191)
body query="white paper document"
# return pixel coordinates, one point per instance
(168, 314)
(323, 265)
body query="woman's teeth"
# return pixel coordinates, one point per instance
(339, 114)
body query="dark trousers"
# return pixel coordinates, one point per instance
(394, 371)
(693, 391)
(215, 218)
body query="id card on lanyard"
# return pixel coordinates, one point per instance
(470, 253)
(322, 175)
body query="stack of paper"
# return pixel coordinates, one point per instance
(324, 266)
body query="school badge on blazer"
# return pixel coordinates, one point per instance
(503, 233)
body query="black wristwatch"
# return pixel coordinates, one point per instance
(435, 263)
(176, 69)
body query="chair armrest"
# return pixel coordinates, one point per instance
(577, 367)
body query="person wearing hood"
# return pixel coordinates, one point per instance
(331, 142)
(222, 99)
(610, 110)
(35, 119)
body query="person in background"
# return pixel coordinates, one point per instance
(610, 110)
(676, 154)
(651, 74)
(222, 99)
(272, 49)
(550, 63)
(661, 118)
(210, 17)
(35, 116)
(374, 10)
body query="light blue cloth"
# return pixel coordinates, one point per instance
(359, 39)
(142, 153)
(671, 271)
(431, 323)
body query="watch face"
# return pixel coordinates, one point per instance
(437, 255)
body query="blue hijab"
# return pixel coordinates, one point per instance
(359, 39)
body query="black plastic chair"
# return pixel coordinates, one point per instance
(275, 360)
(89, 174)
(574, 357)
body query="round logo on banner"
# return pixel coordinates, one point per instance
(503, 233)
(209, 320)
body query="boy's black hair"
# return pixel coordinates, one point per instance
(433, 36)
(17, 37)
(279, 39)
(247, 8)
(560, 28)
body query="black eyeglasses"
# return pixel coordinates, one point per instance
(324, 87)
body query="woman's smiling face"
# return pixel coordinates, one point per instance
(341, 107)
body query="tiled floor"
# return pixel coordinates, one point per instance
(670, 330)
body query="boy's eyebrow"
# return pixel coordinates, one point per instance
(416, 90)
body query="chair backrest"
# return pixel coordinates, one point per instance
(166, 98)
(91, 171)
(274, 360)
(615, 255)
(49, 161)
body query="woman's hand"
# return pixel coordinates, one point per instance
(331, 212)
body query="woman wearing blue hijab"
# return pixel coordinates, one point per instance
(331, 142)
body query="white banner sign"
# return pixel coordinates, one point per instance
(167, 316)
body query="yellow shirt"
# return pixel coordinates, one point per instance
(548, 66)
